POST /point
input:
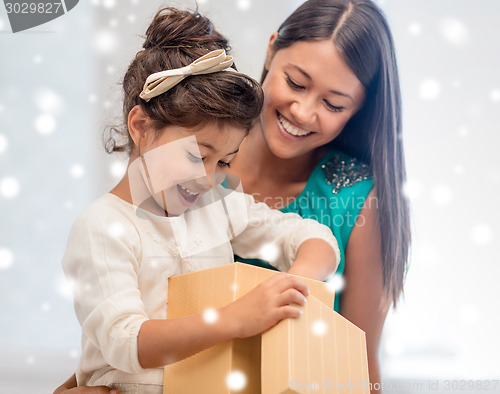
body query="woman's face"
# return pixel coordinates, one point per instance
(310, 94)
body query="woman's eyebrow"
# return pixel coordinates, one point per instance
(305, 74)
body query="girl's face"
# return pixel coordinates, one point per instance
(310, 94)
(180, 165)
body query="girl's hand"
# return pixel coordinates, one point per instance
(266, 305)
(69, 387)
(89, 390)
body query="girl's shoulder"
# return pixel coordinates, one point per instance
(106, 212)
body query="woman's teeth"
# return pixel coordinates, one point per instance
(187, 191)
(289, 128)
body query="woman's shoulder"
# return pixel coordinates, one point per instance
(340, 174)
(341, 171)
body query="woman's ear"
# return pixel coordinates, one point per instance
(270, 50)
(137, 124)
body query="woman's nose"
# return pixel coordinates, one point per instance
(304, 111)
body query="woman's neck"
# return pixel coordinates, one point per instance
(255, 161)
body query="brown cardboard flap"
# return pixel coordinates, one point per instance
(271, 362)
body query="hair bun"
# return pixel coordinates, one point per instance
(176, 28)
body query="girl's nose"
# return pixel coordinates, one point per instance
(204, 182)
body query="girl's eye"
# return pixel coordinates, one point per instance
(224, 164)
(194, 159)
(332, 107)
(292, 84)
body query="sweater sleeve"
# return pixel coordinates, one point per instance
(270, 234)
(101, 263)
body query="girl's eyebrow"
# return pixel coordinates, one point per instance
(207, 145)
(305, 74)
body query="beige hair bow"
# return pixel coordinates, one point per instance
(162, 81)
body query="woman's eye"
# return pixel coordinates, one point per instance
(332, 107)
(224, 164)
(292, 84)
(194, 159)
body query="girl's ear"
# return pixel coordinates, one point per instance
(270, 50)
(137, 124)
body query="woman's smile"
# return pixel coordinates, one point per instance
(291, 130)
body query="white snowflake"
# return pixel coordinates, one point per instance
(105, 41)
(244, 5)
(481, 234)
(495, 95)
(9, 187)
(458, 169)
(463, 131)
(412, 189)
(3, 143)
(269, 252)
(319, 328)
(6, 258)
(393, 347)
(77, 171)
(109, 4)
(115, 230)
(65, 287)
(117, 169)
(442, 194)
(414, 28)
(48, 101)
(236, 380)
(430, 89)
(336, 283)
(210, 316)
(45, 124)
(454, 31)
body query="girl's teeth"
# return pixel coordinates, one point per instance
(292, 129)
(187, 191)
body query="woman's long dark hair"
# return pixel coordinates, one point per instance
(360, 32)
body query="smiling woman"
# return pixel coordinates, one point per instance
(312, 94)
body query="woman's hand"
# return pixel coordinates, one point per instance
(273, 300)
(69, 387)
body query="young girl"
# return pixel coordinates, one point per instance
(187, 113)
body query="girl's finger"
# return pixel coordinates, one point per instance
(291, 296)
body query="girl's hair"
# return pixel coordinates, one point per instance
(360, 32)
(175, 39)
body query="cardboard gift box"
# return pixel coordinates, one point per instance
(320, 351)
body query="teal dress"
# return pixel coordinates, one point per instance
(334, 196)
